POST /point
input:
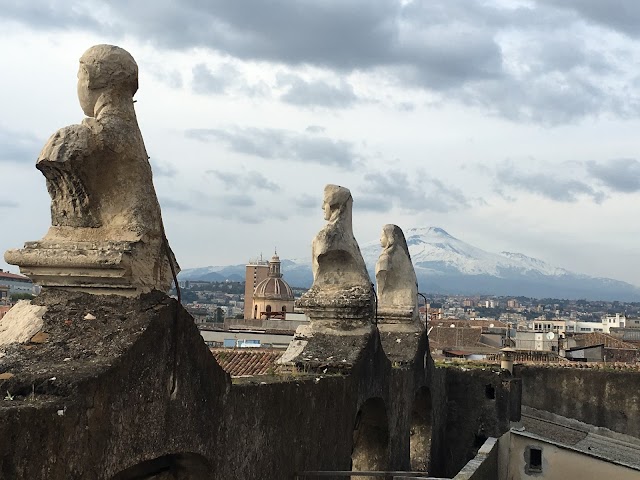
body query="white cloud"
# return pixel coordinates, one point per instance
(431, 88)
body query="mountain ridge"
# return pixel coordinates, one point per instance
(445, 264)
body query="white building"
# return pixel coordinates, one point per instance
(605, 325)
(16, 283)
(544, 325)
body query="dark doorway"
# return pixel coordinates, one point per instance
(180, 466)
(421, 424)
(371, 438)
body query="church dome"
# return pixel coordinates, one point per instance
(274, 287)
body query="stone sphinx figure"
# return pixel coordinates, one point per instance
(396, 279)
(106, 233)
(341, 285)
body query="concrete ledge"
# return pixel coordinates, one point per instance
(484, 466)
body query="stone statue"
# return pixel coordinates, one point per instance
(399, 324)
(395, 277)
(341, 284)
(336, 254)
(106, 231)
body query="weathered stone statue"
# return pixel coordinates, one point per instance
(341, 286)
(106, 232)
(396, 279)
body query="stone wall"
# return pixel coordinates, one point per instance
(484, 466)
(473, 404)
(603, 397)
(99, 395)
(134, 393)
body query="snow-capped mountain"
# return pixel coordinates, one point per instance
(445, 264)
(432, 248)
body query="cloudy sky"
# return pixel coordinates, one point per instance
(513, 125)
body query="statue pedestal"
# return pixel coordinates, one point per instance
(109, 267)
(399, 319)
(342, 307)
(396, 314)
(341, 327)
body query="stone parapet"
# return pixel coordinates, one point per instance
(111, 267)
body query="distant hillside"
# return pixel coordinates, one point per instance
(445, 264)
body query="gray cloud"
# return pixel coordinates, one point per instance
(307, 202)
(171, 78)
(8, 204)
(315, 129)
(206, 81)
(19, 147)
(619, 175)
(316, 93)
(176, 205)
(274, 144)
(52, 15)
(236, 200)
(621, 15)
(237, 207)
(162, 169)
(525, 63)
(549, 100)
(233, 180)
(546, 184)
(382, 190)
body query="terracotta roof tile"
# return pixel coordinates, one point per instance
(596, 338)
(447, 337)
(249, 362)
(13, 276)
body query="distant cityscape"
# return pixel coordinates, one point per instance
(260, 312)
(471, 327)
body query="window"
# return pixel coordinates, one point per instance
(490, 391)
(284, 308)
(535, 460)
(268, 308)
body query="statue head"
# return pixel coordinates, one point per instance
(105, 68)
(393, 235)
(336, 200)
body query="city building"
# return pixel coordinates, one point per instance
(4, 294)
(550, 446)
(537, 341)
(273, 296)
(544, 325)
(513, 303)
(256, 271)
(606, 324)
(16, 283)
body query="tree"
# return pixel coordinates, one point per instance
(21, 296)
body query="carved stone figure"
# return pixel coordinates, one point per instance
(106, 231)
(395, 277)
(341, 285)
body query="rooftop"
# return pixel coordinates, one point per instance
(246, 363)
(599, 338)
(588, 439)
(13, 276)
